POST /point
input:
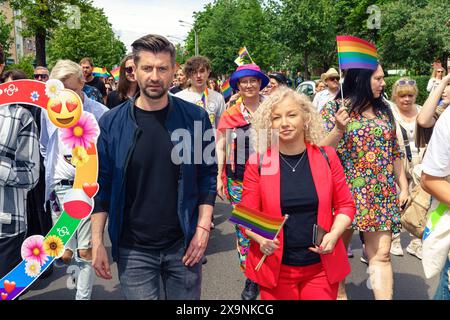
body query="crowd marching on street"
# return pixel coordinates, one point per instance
(301, 172)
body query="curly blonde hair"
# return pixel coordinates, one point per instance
(314, 131)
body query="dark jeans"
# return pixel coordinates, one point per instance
(10, 253)
(141, 272)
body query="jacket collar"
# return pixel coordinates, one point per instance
(133, 104)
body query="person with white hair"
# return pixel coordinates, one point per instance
(60, 174)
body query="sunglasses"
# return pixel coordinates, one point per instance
(407, 82)
(41, 76)
(129, 69)
(440, 71)
(334, 78)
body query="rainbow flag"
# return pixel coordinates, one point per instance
(116, 73)
(258, 222)
(205, 97)
(226, 89)
(240, 59)
(100, 72)
(355, 53)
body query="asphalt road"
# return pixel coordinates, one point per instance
(223, 280)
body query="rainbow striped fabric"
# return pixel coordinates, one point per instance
(240, 59)
(205, 97)
(226, 89)
(100, 72)
(258, 222)
(116, 73)
(356, 53)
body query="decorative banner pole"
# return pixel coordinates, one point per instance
(79, 131)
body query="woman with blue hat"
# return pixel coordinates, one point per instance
(233, 127)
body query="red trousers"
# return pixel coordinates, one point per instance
(301, 283)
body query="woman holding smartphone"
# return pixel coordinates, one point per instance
(296, 177)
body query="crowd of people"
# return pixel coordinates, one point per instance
(346, 160)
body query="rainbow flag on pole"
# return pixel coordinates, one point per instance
(116, 73)
(100, 72)
(258, 222)
(355, 53)
(226, 89)
(240, 59)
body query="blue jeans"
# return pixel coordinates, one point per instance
(141, 272)
(443, 289)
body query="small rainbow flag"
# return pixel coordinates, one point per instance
(355, 53)
(258, 222)
(116, 73)
(240, 59)
(100, 72)
(226, 89)
(205, 97)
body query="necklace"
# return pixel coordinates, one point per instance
(298, 162)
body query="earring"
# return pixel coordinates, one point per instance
(305, 127)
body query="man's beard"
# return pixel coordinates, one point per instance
(156, 95)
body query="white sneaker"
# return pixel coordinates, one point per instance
(415, 248)
(396, 246)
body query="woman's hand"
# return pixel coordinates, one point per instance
(342, 119)
(220, 188)
(403, 199)
(268, 247)
(328, 243)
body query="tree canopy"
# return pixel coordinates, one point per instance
(301, 34)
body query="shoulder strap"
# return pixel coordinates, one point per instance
(406, 143)
(322, 150)
(260, 163)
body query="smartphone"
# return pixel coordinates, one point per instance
(318, 233)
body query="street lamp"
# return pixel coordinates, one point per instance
(184, 24)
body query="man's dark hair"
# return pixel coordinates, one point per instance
(155, 44)
(14, 74)
(2, 55)
(193, 64)
(87, 60)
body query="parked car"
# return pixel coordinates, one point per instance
(308, 88)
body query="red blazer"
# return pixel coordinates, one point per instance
(262, 192)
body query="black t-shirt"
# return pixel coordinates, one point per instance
(97, 83)
(176, 89)
(298, 199)
(113, 99)
(151, 216)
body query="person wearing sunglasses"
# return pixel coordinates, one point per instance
(127, 86)
(405, 111)
(331, 79)
(41, 74)
(436, 77)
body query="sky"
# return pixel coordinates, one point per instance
(132, 19)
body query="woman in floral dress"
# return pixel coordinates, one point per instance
(362, 129)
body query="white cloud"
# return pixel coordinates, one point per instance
(136, 18)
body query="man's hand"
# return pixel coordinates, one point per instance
(197, 247)
(100, 262)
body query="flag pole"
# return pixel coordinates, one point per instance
(341, 80)
(278, 232)
(249, 55)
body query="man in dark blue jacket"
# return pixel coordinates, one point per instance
(157, 177)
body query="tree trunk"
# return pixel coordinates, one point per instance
(306, 63)
(40, 48)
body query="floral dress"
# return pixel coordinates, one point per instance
(367, 152)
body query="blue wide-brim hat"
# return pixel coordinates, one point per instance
(248, 70)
